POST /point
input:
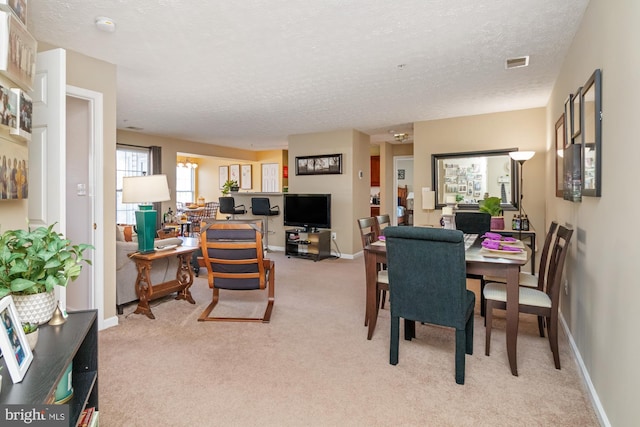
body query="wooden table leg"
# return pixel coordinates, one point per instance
(512, 316)
(184, 276)
(144, 288)
(370, 313)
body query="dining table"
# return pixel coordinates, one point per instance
(478, 261)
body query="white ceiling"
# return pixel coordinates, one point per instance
(251, 72)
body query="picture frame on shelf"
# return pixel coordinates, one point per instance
(8, 108)
(18, 7)
(14, 160)
(576, 111)
(245, 177)
(234, 173)
(24, 115)
(18, 50)
(326, 164)
(13, 341)
(560, 136)
(223, 175)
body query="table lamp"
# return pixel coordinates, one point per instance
(145, 190)
(521, 157)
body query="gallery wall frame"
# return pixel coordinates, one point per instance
(245, 177)
(14, 173)
(576, 111)
(326, 164)
(592, 135)
(234, 173)
(568, 124)
(223, 175)
(13, 341)
(24, 114)
(18, 7)
(572, 187)
(560, 138)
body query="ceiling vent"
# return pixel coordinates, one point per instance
(522, 61)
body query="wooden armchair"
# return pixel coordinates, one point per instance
(234, 258)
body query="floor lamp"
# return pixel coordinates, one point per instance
(145, 190)
(521, 157)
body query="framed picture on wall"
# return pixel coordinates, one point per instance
(576, 110)
(14, 174)
(18, 51)
(24, 112)
(234, 173)
(223, 175)
(13, 342)
(560, 135)
(18, 7)
(8, 108)
(319, 165)
(245, 177)
(568, 116)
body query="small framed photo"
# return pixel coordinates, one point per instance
(13, 342)
(8, 108)
(19, 8)
(18, 51)
(568, 121)
(24, 113)
(245, 177)
(223, 175)
(234, 173)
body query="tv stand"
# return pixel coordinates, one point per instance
(315, 245)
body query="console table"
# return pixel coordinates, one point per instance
(148, 291)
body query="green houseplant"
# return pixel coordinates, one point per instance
(491, 205)
(32, 262)
(230, 185)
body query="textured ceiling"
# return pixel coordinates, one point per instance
(249, 73)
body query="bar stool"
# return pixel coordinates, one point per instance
(261, 206)
(228, 206)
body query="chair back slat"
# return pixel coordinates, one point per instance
(544, 257)
(556, 264)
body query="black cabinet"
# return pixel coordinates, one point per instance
(313, 245)
(75, 341)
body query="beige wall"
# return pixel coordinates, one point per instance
(601, 306)
(522, 129)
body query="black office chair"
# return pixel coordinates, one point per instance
(475, 223)
(261, 206)
(228, 206)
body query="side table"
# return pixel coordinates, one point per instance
(148, 291)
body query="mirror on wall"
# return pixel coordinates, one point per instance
(470, 177)
(592, 135)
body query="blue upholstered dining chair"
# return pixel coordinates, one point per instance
(427, 284)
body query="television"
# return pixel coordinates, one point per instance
(309, 211)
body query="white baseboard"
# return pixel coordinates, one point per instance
(595, 400)
(108, 323)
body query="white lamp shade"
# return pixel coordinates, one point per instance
(145, 189)
(428, 199)
(521, 156)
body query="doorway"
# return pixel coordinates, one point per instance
(402, 177)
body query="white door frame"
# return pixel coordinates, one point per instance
(96, 190)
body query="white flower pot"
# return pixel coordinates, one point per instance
(35, 308)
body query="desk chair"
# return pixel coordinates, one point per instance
(262, 207)
(533, 301)
(427, 284)
(475, 223)
(228, 206)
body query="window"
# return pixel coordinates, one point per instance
(130, 161)
(185, 185)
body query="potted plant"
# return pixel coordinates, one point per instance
(230, 185)
(32, 262)
(31, 332)
(491, 205)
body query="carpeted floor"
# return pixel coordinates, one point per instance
(313, 366)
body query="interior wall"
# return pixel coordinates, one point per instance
(601, 305)
(522, 129)
(346, 204)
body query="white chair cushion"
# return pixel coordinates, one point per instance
(526, 279)
(383, 276)
(528, 296)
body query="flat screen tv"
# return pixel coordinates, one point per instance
(308, 211)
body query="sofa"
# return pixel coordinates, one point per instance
(126, 272)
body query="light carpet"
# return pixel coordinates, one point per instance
(312, 365)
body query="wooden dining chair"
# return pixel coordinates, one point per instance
(533, 301)
(384, 220)
(369, 233)
(475, 223)
(531, 280)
